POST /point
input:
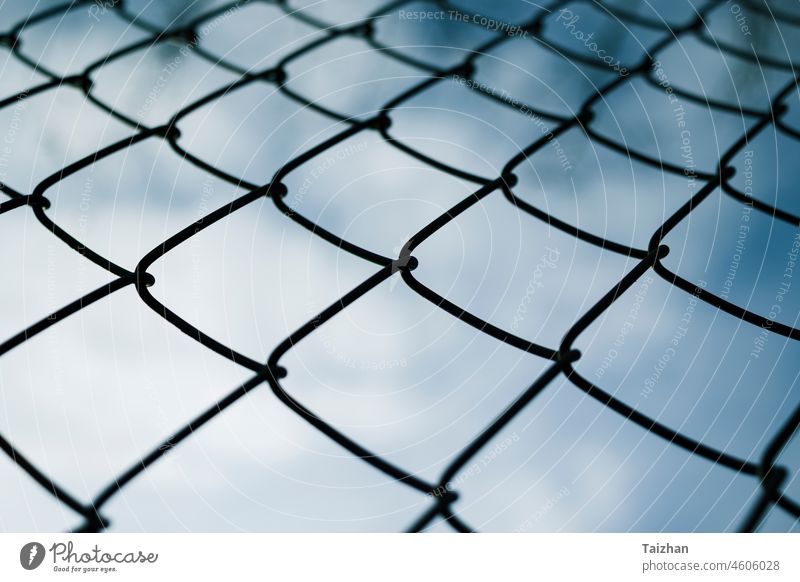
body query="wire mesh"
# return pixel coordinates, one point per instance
(562, 358)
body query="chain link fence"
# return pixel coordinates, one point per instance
(270, 373)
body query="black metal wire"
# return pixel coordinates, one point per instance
(444, 499)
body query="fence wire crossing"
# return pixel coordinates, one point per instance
(444, 501)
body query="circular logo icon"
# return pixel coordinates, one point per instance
(31, 555)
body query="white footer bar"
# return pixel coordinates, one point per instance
(400, 557)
